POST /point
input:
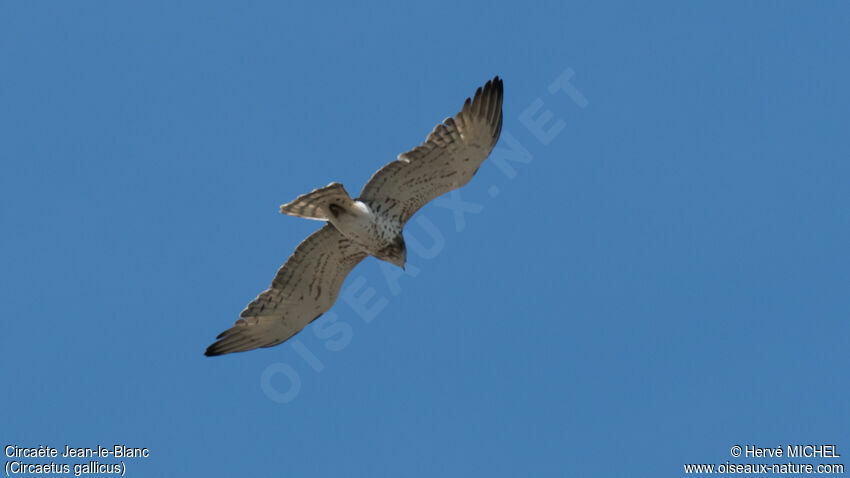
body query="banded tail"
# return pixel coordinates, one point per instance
(321, 204)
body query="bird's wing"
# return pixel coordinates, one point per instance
(446, 160)
(303, 289)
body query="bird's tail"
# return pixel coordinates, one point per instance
(321, 204)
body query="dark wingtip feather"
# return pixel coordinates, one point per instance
(218, 348)
(215, 348)
(498, 86)
(495, 84)
(476, 101)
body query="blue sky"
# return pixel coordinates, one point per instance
(663, 275)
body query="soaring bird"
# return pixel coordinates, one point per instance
(308, 283)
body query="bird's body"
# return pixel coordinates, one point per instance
(369, 226)
(376, 233)
(369, 230)
(308, 283)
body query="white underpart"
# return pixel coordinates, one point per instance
(364, 227)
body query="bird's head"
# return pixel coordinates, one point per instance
(395, 252)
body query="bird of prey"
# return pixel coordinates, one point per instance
(371, 225)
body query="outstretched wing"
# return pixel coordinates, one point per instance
(446, 160)
(303, 289)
